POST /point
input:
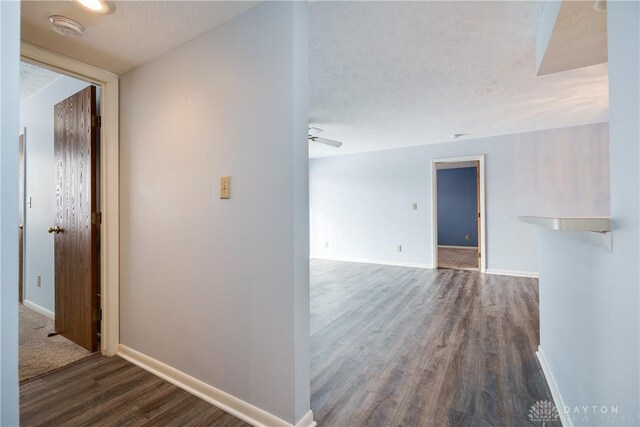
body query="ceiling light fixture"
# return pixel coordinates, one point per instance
(66, 26)
(600, 5)
(97, 6)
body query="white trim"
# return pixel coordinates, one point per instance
(370, 261)
(475, 248)
(457, 165)
(109, 180)
(39, 309)
(225, 401)
(513, 273)
(24, 212)
(434, 207)
(307, 420)
(553, 386)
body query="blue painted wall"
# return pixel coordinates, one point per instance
(457, 207)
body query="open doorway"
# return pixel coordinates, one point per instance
(458, 213)
(59, 221)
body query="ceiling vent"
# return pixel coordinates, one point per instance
(66, 26)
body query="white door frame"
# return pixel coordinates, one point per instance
(109, 181)
(434, 208)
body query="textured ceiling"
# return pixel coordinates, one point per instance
(137, 32)
(394, 74)
(33, 79)
(578, 39)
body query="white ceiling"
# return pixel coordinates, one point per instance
(394, 74)
(578, 39)
(33, 79)
(137, 32)
(382, 74)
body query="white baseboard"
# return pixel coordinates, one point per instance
(228, 403)
(475, 248)
(307, 420)
(513, 273)
(370, 261)
(38, 309)
(555, 393)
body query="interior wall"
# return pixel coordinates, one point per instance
(458, 207)
(37, 115)
(302, 325)
(213, 287)
(9, 101)
(361, 204)
(589, 315)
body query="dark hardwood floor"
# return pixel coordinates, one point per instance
(389, 346)
(396, 346)
(109, 391)
(458, 258)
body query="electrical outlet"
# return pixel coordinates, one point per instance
(467, 237)
(399, 248)
(326, 244)
(38, 280)
(225, 187)
(414, 206)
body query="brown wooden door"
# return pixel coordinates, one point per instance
(21, 149)
(76, 255)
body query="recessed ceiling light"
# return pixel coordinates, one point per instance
(66, 26)
(97, 6)
(458, 135)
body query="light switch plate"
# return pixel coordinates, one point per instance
(225, 187)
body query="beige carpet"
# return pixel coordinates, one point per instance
(40, 354)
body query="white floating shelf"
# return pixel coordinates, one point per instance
(594, 231)
(598, 225)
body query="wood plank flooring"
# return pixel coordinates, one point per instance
(416, 347)
(109, 391)
(458, 258)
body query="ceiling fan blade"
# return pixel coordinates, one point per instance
(314, 131)
(326, 141)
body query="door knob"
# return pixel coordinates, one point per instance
(55, 229)
(20, 226)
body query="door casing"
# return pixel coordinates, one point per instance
(21, 196)
(109, 181)
(434, 207)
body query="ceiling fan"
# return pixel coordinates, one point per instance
(313, 132)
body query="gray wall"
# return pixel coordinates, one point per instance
(9, 86)
(216, 288)
(361, 204)
(589, 316)
(36, 114)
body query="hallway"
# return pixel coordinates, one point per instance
(109, 391)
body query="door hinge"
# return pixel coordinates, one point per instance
(478, 214)
(97, 314)
(479, 255)
(96, 218)
(96, 121)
